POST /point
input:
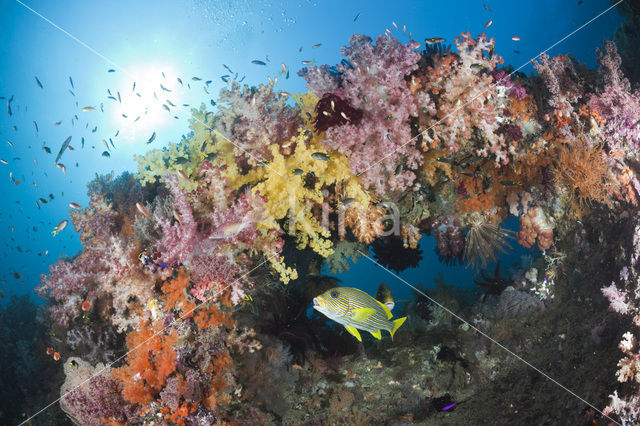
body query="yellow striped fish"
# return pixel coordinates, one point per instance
(356, 310)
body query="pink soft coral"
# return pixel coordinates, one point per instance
(255, 118)
(617, 299)
(66, 283)
(372, 80)
(562, 81)
(179, 239)
(616, 102)
(467, 99)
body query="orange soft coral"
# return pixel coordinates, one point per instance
(150, 362)
(211, 316)
(176, 297)
(366, 225)
(583, 170)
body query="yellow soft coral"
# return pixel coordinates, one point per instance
(187, 155)
(285, 183)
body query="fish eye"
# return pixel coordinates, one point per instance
(334, 294)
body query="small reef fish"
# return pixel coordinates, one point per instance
(258, 62)
(62, 167)
(143, 210)
(515, 38)
(38, 82)
(297, 172)
(152, 138)
(434, 40)
(106, 154)
(111, 70)
(315, 46)
(347, 201)
(230, 230)
(56, 356)
(3, 161)
(509, 183)
(60, 227)
(86, 305)
(356, 310)
(75, 206)
(384, 296)
(262, 163)
(488, 24)
(88, 108)
(478, 66)
(321, 156)
(64, 146)
(356, 18)
(71, 81)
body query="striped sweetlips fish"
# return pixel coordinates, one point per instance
(356, 310)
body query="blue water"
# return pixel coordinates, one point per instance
(195, 38)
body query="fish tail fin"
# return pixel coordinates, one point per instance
(396, 325)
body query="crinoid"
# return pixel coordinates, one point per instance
(484, 240)
(493, 285)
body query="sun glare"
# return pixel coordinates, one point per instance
(147, 98)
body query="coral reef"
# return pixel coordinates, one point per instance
(200, 268)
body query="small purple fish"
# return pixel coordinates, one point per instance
(448, 406)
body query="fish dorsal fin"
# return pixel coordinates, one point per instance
(362, 314)
(386, 309)
(376, 334)
(354, 332)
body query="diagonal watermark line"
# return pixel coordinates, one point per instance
(384, 157)
(181, 317)
(500, 345)
(129, 74)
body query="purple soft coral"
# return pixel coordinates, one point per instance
(179, 239)
(616, 102)
(66, 283)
